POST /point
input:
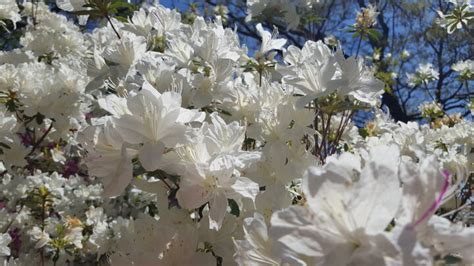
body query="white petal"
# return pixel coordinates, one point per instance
(378, 193)
(246, 188)
(192, 197)
(5, 240)
(217, 211)
(121, 178)
(150, 155)
(292, 228)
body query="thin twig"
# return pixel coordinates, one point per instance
(358, 46)
(113, 27)
(36, 145)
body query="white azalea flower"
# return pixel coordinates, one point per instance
(156, 121)
(256, 248)
(225, 140)
(39, 236)
(356, 80)
(165, 20)
(422, 185)
(211, 167)
(109, 158)
(311, 70)
(72, 6)
(448, 238)
(5, 240)
(140, 23)
(214, 183)
(220, 241)
(16, 153)
(7, 124)
(339, 228)
(126, 51)
(269, 41)
(74, 236)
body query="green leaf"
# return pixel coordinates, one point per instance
(39, 118)
(374, 34)
(234, 207)
(351, 28)
(90, 6)
(121, 19)
(452, 259)
(92, 13)
(113, 8)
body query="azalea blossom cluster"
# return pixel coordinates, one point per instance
(156, 142)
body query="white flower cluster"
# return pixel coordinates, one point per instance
(424, 74)
(465, 69)
(366, 17)
(431, 109)
(154, 142)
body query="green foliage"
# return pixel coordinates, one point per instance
(103, 8)
(47, 58)
(234, 207)
(40, 202)
(9, 35)
(334, 103)
(387, 79)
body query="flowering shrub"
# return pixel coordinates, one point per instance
(151, 141)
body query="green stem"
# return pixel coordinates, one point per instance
(36, 145)
(358, 46)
